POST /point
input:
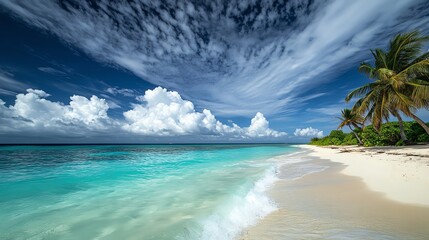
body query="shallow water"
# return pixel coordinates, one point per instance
(134, 191)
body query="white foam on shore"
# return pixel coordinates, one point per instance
(244, 213)
(228, 223)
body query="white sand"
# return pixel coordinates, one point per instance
(400, 173)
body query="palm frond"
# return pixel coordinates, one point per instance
(422, 57)
(380, 58)
(349, 117)
(361, 91)
(420, 93)
(404, 48)
(417, 70)
(367, 69)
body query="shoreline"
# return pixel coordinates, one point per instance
(335, 202)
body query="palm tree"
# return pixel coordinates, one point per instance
(401, 82)
(376, 103)
(349, 118)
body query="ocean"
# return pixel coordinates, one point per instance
(135, 191)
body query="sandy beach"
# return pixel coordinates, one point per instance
(400, 173)
(362, 193)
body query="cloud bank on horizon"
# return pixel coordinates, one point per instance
(157, 113)
(235, 58)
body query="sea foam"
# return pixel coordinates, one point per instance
(244, 212)
(255, 205)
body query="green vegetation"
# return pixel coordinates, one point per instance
(336, 137)
(349, 118)
(399, 86)
(388, 135)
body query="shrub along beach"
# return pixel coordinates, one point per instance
(388, 135)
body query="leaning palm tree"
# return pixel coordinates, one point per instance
(401, 82)
(349, 118)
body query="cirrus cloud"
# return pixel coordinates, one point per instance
(52, 71)
(122, 91)
(272, 51)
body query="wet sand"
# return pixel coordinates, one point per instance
(331, 205)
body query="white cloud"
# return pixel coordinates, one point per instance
(8, 85)
(89, 111)
(122, 91)
(32, 112)
(113, 105)
(332, 110)
(158, 113)
(235, 58)
(259, 127)
(165, 113)
(52, 71)
(308, 132)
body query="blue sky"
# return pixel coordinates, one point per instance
(143, 71)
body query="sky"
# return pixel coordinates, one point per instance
(187, 71)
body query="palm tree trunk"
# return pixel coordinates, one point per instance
(357, 137)
(401, 127)
(419, 121)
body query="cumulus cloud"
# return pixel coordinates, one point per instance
(159, 112)
(165, 113)
(259, 127)
(272, 52)
(32, 112)
(308, 132)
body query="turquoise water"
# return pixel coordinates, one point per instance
(134, 191)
